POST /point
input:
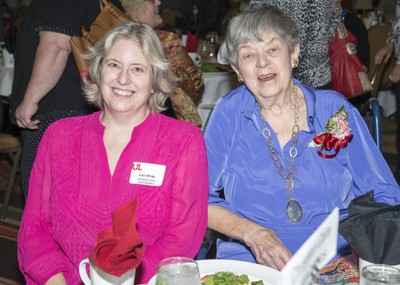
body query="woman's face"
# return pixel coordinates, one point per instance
(266, 65)
(125, 79)
(150, 15)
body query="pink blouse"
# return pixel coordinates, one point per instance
(72, 195)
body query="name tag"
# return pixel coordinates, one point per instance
(147, 174)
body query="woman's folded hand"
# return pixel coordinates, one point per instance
(267, 247)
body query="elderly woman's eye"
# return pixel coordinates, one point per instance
(273, 50)
(247, 56)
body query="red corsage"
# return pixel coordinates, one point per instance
(336, 137)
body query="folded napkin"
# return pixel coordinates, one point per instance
(120, 248)
(192, 42)
(373, 229)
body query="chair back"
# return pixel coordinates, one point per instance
(1, 115)
(379, 74)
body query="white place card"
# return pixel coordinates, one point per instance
(315, 253)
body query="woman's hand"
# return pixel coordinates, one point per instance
(267, 247)
(384, 54)
(264, 244)
(395, 74)
(24, 113)
(57, 279)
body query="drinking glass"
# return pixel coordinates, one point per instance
(178, 270)
(212, 37)
(203, 50)
(379, 274)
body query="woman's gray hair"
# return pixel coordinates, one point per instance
(251, 24)
(164, 81)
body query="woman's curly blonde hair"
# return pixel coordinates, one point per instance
(164, 81)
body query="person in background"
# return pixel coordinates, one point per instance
(191, 86)
(388, 8)
(383, 55)
(47, 84)
(85, 166)
(211, 16)
(317, 23)
(182, 23)
(273, 174)
(356, 26)
(8, 14)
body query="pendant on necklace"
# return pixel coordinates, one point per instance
(294, 212)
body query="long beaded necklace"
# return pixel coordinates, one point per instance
(294, 212)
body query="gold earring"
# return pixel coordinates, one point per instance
(295, 63)
(240, 79)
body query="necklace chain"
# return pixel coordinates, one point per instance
(289, 179)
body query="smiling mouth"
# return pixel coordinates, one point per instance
(266, 76)
(124, 93)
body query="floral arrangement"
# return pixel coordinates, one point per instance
(337, 136)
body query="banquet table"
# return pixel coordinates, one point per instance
(216, 84)
(343, 271)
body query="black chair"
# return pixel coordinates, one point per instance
(12, 146)
(374, 122)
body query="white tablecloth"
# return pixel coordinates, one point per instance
(6, 79)
(216, 85)
(387, 100)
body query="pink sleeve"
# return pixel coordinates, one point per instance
(188, 220)
(38, 254)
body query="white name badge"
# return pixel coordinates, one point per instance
(147, 174)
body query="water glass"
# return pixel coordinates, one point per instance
(212, 37)
(178, 270)
(204, 49)
(379, 274)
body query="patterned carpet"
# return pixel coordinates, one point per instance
(9, 272)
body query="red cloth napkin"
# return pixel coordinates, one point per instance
(120, 248)
(192, 42)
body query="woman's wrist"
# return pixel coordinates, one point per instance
(250, 232)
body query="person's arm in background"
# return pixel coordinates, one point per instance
(393, 43)
(50, 61)
(356, 26)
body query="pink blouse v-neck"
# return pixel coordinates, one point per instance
(72, 195)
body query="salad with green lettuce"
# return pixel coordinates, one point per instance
(228, 278)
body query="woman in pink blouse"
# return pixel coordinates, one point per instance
(85, 167)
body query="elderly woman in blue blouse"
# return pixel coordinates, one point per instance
(282, 155)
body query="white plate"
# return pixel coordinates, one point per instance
(255, 271)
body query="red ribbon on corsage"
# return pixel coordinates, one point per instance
(328, 141)
(336, 137)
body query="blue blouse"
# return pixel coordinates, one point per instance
(240, 164)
